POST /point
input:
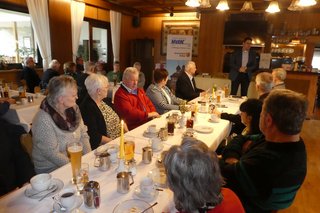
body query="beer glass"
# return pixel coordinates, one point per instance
(129, 149)
(75, 154)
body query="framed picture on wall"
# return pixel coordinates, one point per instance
(191, 27)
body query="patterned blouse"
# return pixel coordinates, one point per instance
(112, 121)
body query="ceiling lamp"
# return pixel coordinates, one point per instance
(306, 3)
(294, 6)
(273, 7)
(205, 4)
(223, 5)
(247, 6)
(193, 3)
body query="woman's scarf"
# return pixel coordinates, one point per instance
(72, 120)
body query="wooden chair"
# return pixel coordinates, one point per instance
(26, 142)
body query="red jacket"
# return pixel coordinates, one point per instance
(133, 109)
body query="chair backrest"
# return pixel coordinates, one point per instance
(26, 142)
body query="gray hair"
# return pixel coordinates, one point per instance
(27, 60)
(89, 67)
(189, 65)
(94, 82)
(280, 73)
(128, 72)
(57, 87)
(265, 82)
(136, 64)
(54, 64)
(287, 109)
(193, 175)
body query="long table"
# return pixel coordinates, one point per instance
(18, 202)
(23, 114)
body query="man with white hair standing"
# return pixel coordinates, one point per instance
(131, 103)
(186, 85)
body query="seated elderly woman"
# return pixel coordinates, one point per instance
(160, 95)
(102, 122)
(278, 77)
(57, 123)
(193, 174)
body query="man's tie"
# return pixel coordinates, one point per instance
(194, 84)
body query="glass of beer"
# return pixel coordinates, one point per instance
(75, 153)
(170, 126)
(129, 146)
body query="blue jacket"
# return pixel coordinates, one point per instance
(236, 62)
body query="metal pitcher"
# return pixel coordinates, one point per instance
(91, 194)
(163, 134)
(103, 161)
(123, 184)
(146, 154)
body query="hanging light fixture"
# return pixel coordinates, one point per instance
(273, 7)
(294, 6)
(247, 6)
(223, 5)
(307, 3)
(205, 4)
(193, 3)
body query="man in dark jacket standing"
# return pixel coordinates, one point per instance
(242, 64)
(30, 75)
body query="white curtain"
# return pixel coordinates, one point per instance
(115, 22)
(38, 10)
(77, 14)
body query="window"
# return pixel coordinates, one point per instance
(316, 58)
(16, 36)
(95, 41)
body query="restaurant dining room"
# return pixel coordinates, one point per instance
(135, 106)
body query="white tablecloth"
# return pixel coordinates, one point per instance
(18, 202)
(23, 113)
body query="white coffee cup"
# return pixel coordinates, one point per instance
(113, 151)
(68, 197)
(214, 118)
(24, 101)
(152, 128)
(146, 186)
(156, 143)
(41, 182)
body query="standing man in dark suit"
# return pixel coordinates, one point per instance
(30, 75)
(186, 86)
(242, 64)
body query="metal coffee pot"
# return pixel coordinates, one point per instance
(91, 194)
(123, 183)
(102, 161)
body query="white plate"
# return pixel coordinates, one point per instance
(214, 121)
(132, 206)
(31, 193)
(105, 147)
(76, 205)
(137, 193)
(150, 134)
(203, 129)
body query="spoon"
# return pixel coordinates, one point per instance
(62, 208)
(52, 189)
(39, 192)
(149, 207)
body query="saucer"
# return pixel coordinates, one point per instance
(160, 147)
(148, 134)
(77, 204)
(105, 148)
(214, 121)
(203, 129)
(150, 197)
(55, 183)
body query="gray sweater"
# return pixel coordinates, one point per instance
(49, 147)
(159, 100)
